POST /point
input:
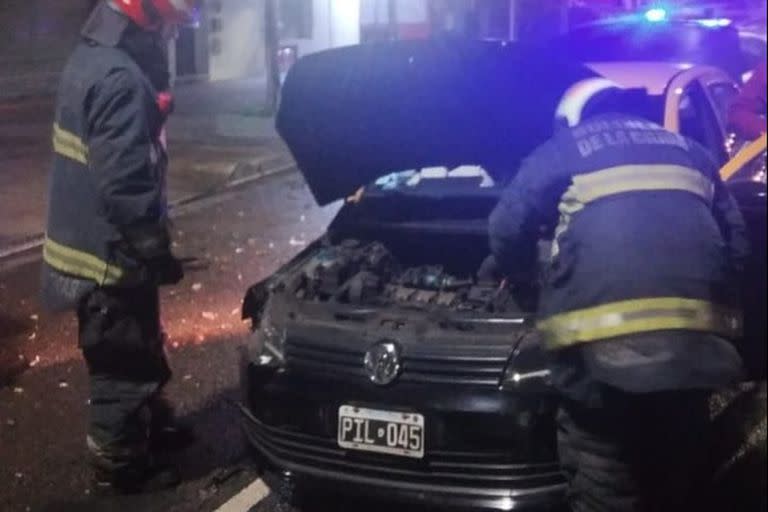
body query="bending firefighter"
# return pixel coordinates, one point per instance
(107, 247)
(639, 300)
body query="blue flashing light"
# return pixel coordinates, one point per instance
(656, 15)
(715, 22)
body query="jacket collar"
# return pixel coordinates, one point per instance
(105, 26)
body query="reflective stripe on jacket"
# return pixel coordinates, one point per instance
(639, 316)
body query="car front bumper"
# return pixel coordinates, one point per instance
(470, 459)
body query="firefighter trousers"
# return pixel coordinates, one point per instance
(635, 453)
(122, 343)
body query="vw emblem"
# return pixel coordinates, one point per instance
(382, 363)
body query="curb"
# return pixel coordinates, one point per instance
(35, 242)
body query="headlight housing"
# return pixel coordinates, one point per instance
(527, 370)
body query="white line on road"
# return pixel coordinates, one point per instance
(247, 498)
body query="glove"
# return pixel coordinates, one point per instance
(151, 244)
(147, 241)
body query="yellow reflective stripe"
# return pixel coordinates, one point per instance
(636, 178)
(69, 145)
(743, 157)
(72, 268)
(84, 258)
(637, 316)
(80, 264)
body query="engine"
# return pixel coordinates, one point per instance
(360, 273)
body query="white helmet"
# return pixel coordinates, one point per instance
(577, 97)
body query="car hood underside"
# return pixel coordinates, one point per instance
(353, 114)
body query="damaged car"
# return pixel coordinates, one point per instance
(384, 362)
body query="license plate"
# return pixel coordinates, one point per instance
(371, 430)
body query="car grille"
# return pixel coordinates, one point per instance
(439, 468)
(337, 362)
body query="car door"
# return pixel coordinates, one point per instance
(696, 106)
(693, 110)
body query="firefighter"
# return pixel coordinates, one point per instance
(747, 115)
(638, 305)
(107, 247)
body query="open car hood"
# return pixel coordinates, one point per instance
(351, 115)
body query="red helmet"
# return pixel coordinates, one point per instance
(153, 14)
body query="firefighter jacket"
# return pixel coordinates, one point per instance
(109, 165)
(647, 247)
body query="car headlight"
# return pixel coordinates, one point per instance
(267, 343)
(273, 344)
(527, 368)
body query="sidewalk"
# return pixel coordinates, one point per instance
(217, 129)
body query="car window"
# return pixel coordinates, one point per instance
(723, 95)
(699, 122)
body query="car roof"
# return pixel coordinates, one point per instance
(652, 76)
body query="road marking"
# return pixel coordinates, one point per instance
(247, 498)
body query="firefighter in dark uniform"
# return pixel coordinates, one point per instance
(107, 246)
(638, 304)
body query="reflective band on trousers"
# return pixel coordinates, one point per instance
(80, 264)
(69, 145)
(638, 316)
(637, 178)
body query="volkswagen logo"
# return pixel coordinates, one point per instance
(382, 363)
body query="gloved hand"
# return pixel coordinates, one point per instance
(150, 243)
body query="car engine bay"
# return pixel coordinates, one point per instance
(367, 274)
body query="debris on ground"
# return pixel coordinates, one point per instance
(197, 287)
(32, 336)
(35, 361)
(294, 242)
(18, 390)
(34, 318)
(208, 315)
(63, 384)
